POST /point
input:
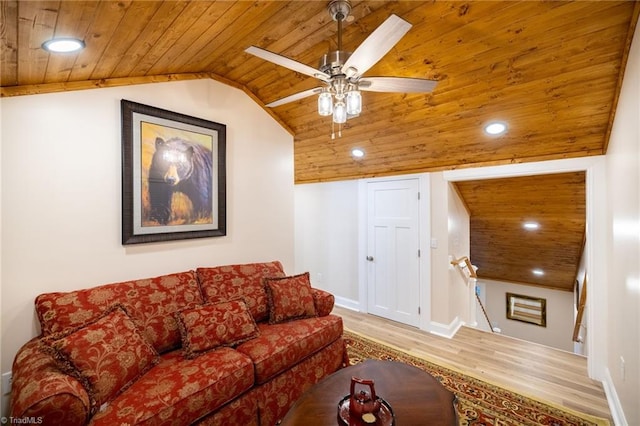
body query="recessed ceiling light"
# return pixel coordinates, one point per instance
(63, 45)
(357, 152)
(495, 128)
(538, 272)
(531, 226)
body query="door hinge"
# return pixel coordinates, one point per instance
(418, 195)
(418, 252)
(418, 310)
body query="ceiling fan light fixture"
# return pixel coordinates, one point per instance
(354, 102)
(325, 104)
(340, 113)
(343, 71)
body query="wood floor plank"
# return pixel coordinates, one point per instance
(531, 369)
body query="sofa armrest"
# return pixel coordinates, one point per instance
(324, 301)
(40, 390)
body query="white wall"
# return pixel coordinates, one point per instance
(441, 313)
(451, 293)
(462, 296)
(331, 236)
(61, 194)
(559, 330)
(326, 237)
(623, 246)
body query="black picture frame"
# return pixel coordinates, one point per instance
(173, 175)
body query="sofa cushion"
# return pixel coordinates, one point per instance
(242, 411)
(289, 298)
(150, 302)
(224, 283)
(106, 355)
(219, 324)
(178, 391)
(292, 383)
(281, 346)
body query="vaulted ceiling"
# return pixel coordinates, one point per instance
(550, 70)
(528, 229)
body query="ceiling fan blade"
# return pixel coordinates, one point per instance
(283, 61)
(295, 97)
(397, 84)
(376, 46)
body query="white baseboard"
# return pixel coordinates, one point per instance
(4, 411)
(6, 394)
(348, 303)
(617, 413)
(446, 330)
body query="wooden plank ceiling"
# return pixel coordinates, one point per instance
(550, 70)
(503, 249)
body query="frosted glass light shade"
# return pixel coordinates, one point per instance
(354, 102)
(340, 113)
(325, 104)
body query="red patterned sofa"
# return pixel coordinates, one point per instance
(228, 345)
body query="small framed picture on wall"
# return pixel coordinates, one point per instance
(527, 309)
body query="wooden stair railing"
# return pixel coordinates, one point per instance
(581, 305)
(465, 263)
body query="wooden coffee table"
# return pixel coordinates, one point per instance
(415, 396)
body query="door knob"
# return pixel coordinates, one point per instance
(370, 258)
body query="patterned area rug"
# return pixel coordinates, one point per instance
(479, 403)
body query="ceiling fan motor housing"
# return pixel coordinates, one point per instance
(331, 63)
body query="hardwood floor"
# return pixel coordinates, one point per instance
(530, 369)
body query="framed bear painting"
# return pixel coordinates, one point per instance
(173, 175)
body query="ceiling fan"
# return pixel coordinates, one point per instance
(342, 72)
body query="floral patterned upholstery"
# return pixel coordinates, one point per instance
(106, 356)
(40, 387)
(289, 298)
(324, 301)
(179, 391)
(219, 324)
(281, 346)
(276, 396)
(242, 411)
(150, 303)
(251, 384)
(223, 283)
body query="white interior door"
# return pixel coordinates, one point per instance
(393, 242)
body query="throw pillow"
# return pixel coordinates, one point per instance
(289, 298)
(210, 326)
(106, 355)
